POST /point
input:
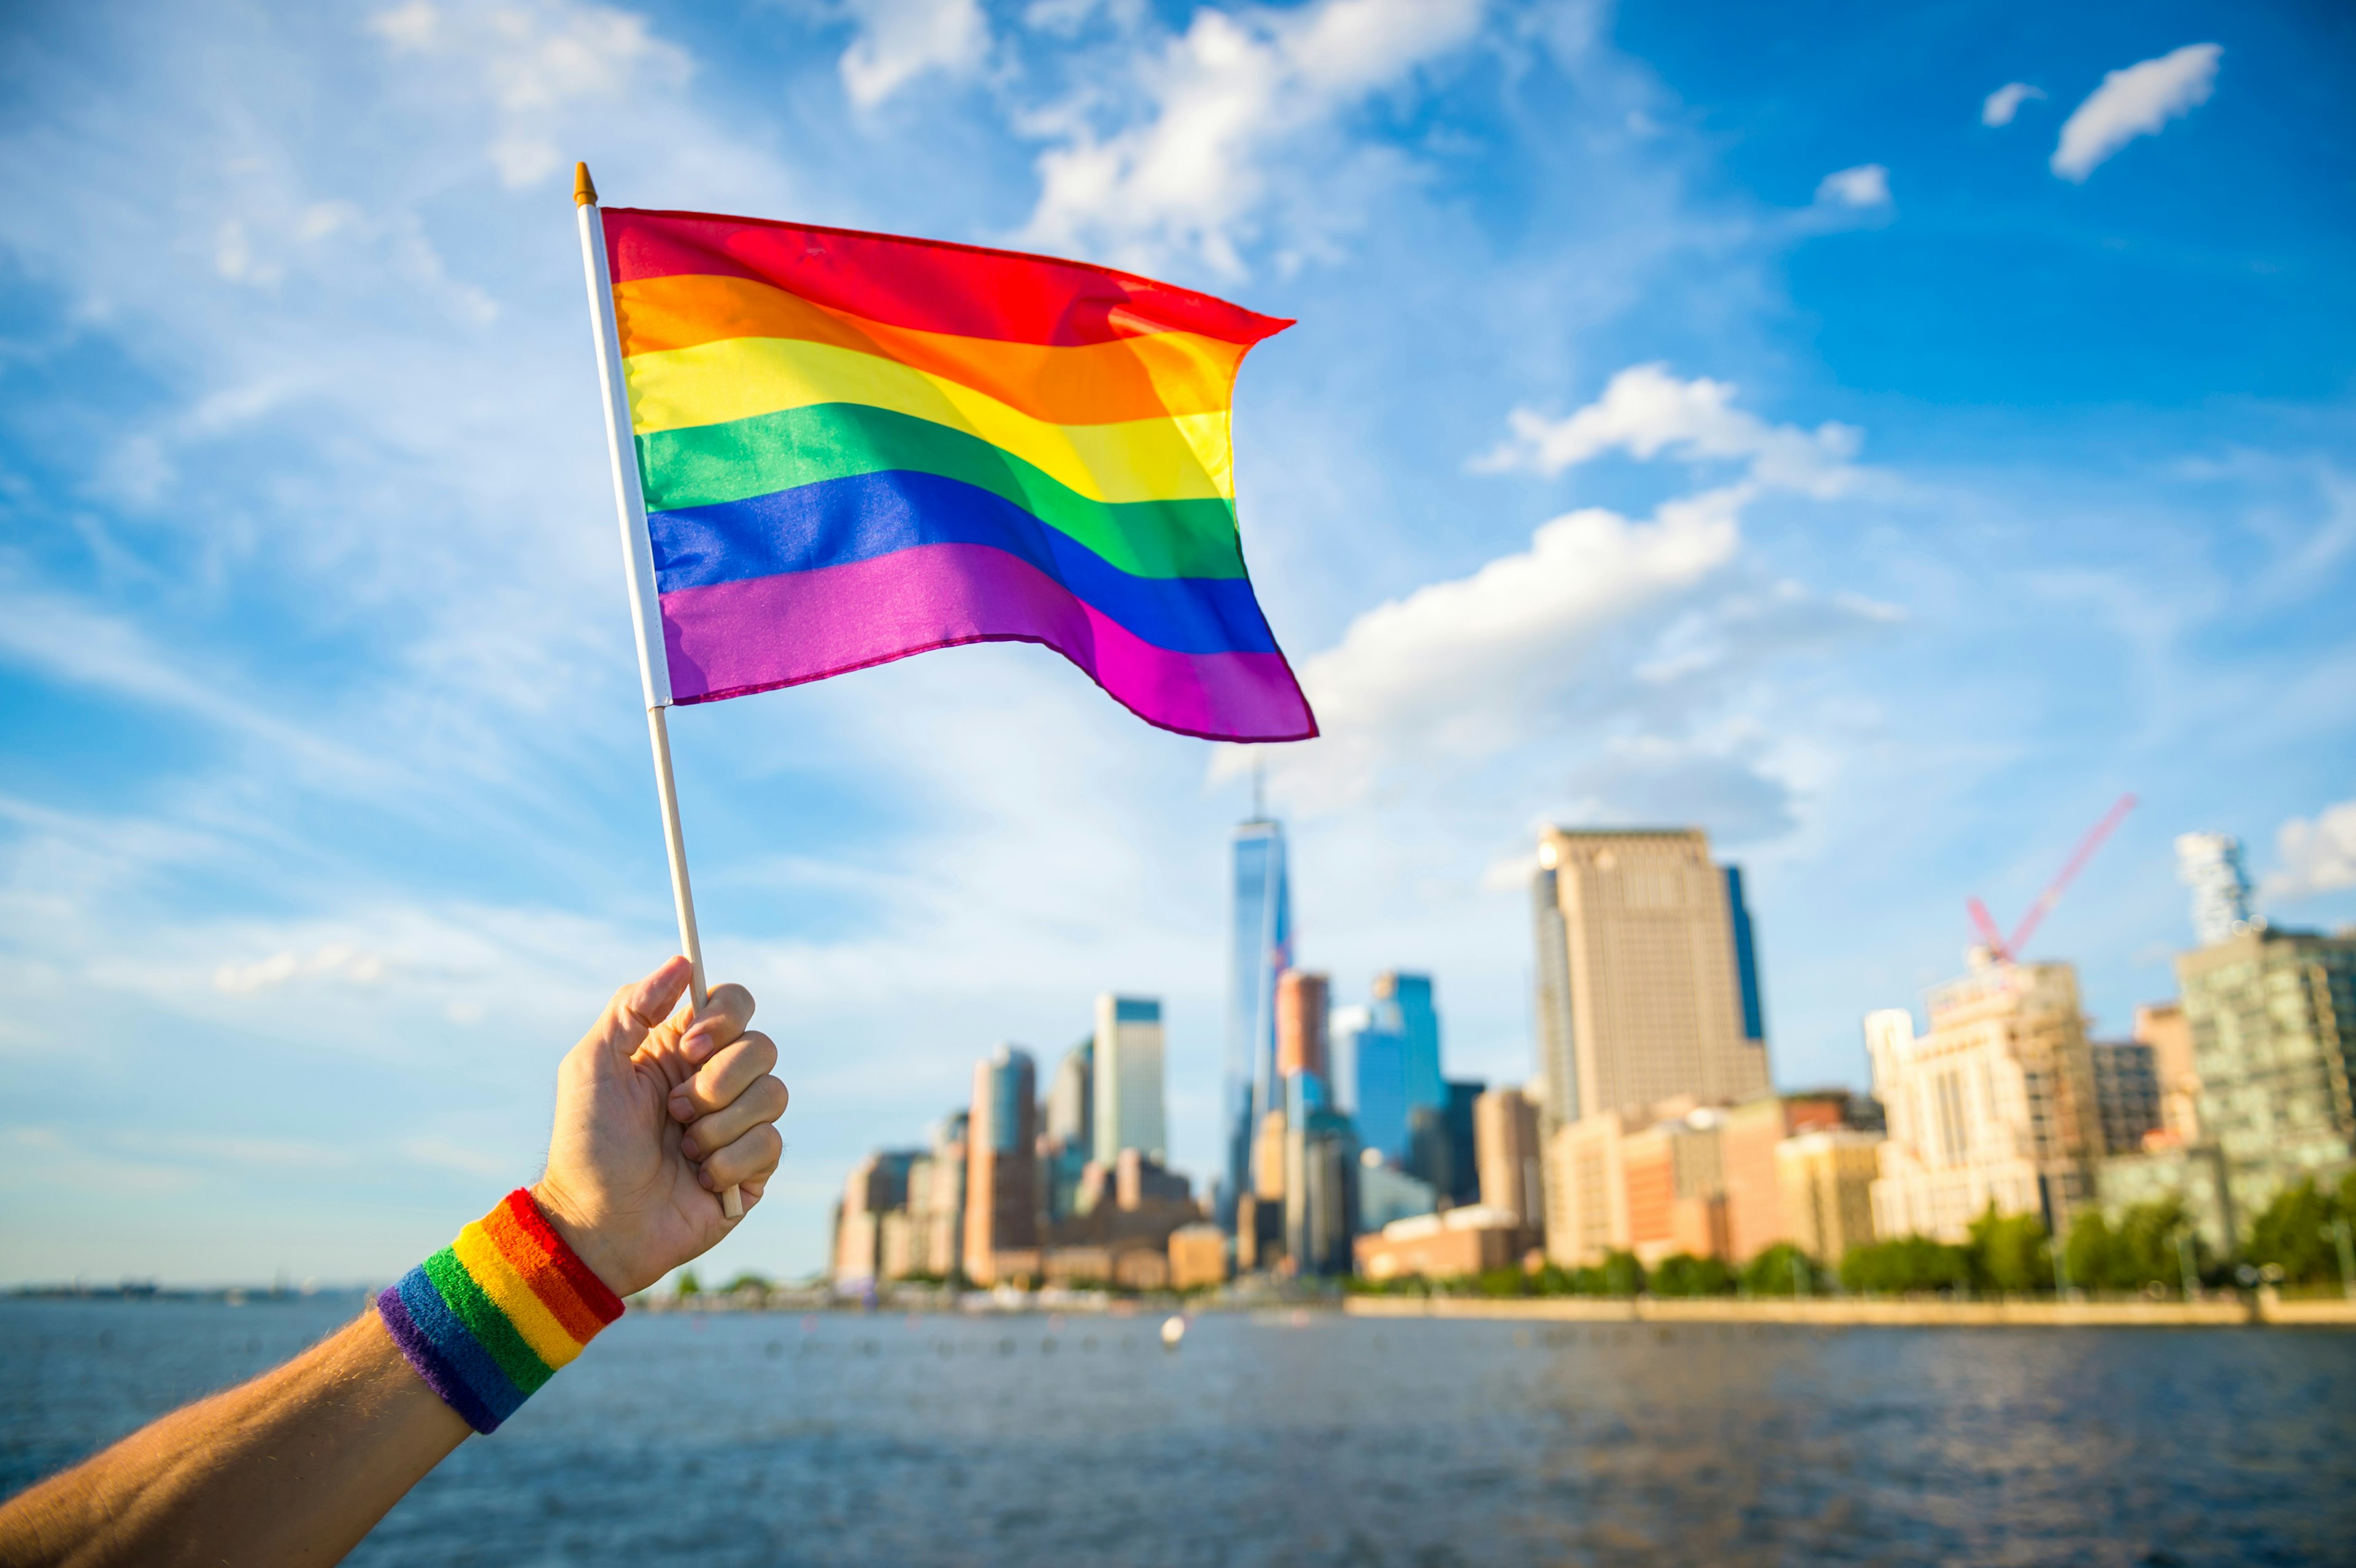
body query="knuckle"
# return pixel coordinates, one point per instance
(760, 1049)
(773, 1097)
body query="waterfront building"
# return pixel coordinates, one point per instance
(877, 1185)
(2191, 1174)
(1506, 1151)
(1674, 1180)
(1994, 1105)
(1826, 1175)
(1464, 1241)
(2210, 865)
(1345, 1026)
(1259, 950)
(1376, 1059)
(1646, 998)
(1587, 1188)
(936, 1200)
(1198, 1257)
(2126, 1093)
(1267, 1159)
(2163, 1027)
(1442, 1146)
(1320, 1176)
(2273, 1015)
(1748, 1136)
(1128, 1077)
(1001, 1212)
(1301, 1009)
(1387, 1193)
(1071, 1119)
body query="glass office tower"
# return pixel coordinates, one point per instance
(1260, 949)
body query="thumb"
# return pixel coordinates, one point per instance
(635, 1009)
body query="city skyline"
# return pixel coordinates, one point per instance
(1707, 417)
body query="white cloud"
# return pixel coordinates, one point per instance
(900, 40)
(2318, 856)
(1189, 174)
(2135, 102)
(1868, 184)
(1458, 668)
(337, 961)
(541, 62)
(2001, 105)
(1646, 411)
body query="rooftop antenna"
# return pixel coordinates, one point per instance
(1259, 784)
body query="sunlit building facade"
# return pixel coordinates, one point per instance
(1647, 986)
(1995, 1105)
(1128, 1078)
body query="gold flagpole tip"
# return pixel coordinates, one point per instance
(583, 193)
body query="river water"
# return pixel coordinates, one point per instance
(720, 1440)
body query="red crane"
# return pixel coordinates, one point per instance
(2007, 951)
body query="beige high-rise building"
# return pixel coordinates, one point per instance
(1642, 983)
(1994, 1105)
(1126, 1073)
(1505, 1153)
(1827, 1175)
(2163, 1027)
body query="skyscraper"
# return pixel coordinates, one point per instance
(1403, 1002)
(1506, 1148)
(2210, 865)
(1002, 1161)
(1746, 961)
(1072, 1098)
(2273, 1034)
(1128, 1078)
(1640, 973)
(1558, 1056)
(1301, 1006)
(1259, 949)
(1994, 1105)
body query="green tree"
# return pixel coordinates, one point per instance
(2011, 1253)
(1782, 1270)
(687, 1285)
(1904, 1265)
(2092, 1253)
(1682, 1273)
(1507, 1281)
(1618, 1275)
(2293, 1235)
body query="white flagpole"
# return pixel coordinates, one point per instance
(638, 568)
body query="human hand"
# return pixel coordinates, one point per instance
(657, 1113)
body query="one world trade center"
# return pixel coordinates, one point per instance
(1261, 950)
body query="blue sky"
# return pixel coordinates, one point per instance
(1700, 414)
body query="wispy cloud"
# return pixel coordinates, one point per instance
(1865, 186)
(2138, 101)
(900, 41)
(1648, 412)
(2315, 854)
(1184, 161)
(1999, 107)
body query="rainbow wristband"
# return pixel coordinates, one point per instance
(492, 1316)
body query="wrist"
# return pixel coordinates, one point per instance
(492, 1317)
(588, 1240)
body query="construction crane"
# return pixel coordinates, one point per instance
(2008, 951)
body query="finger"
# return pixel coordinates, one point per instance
(720, 1079)
(763, 1102)
(750, 1158)
(725, 1013)
(638, 1007)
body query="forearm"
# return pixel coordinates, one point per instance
(295, 1466)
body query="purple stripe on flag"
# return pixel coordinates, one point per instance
(730, 638)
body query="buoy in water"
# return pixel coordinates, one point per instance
(1172, 1330)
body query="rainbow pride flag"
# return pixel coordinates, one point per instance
(855, 447)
